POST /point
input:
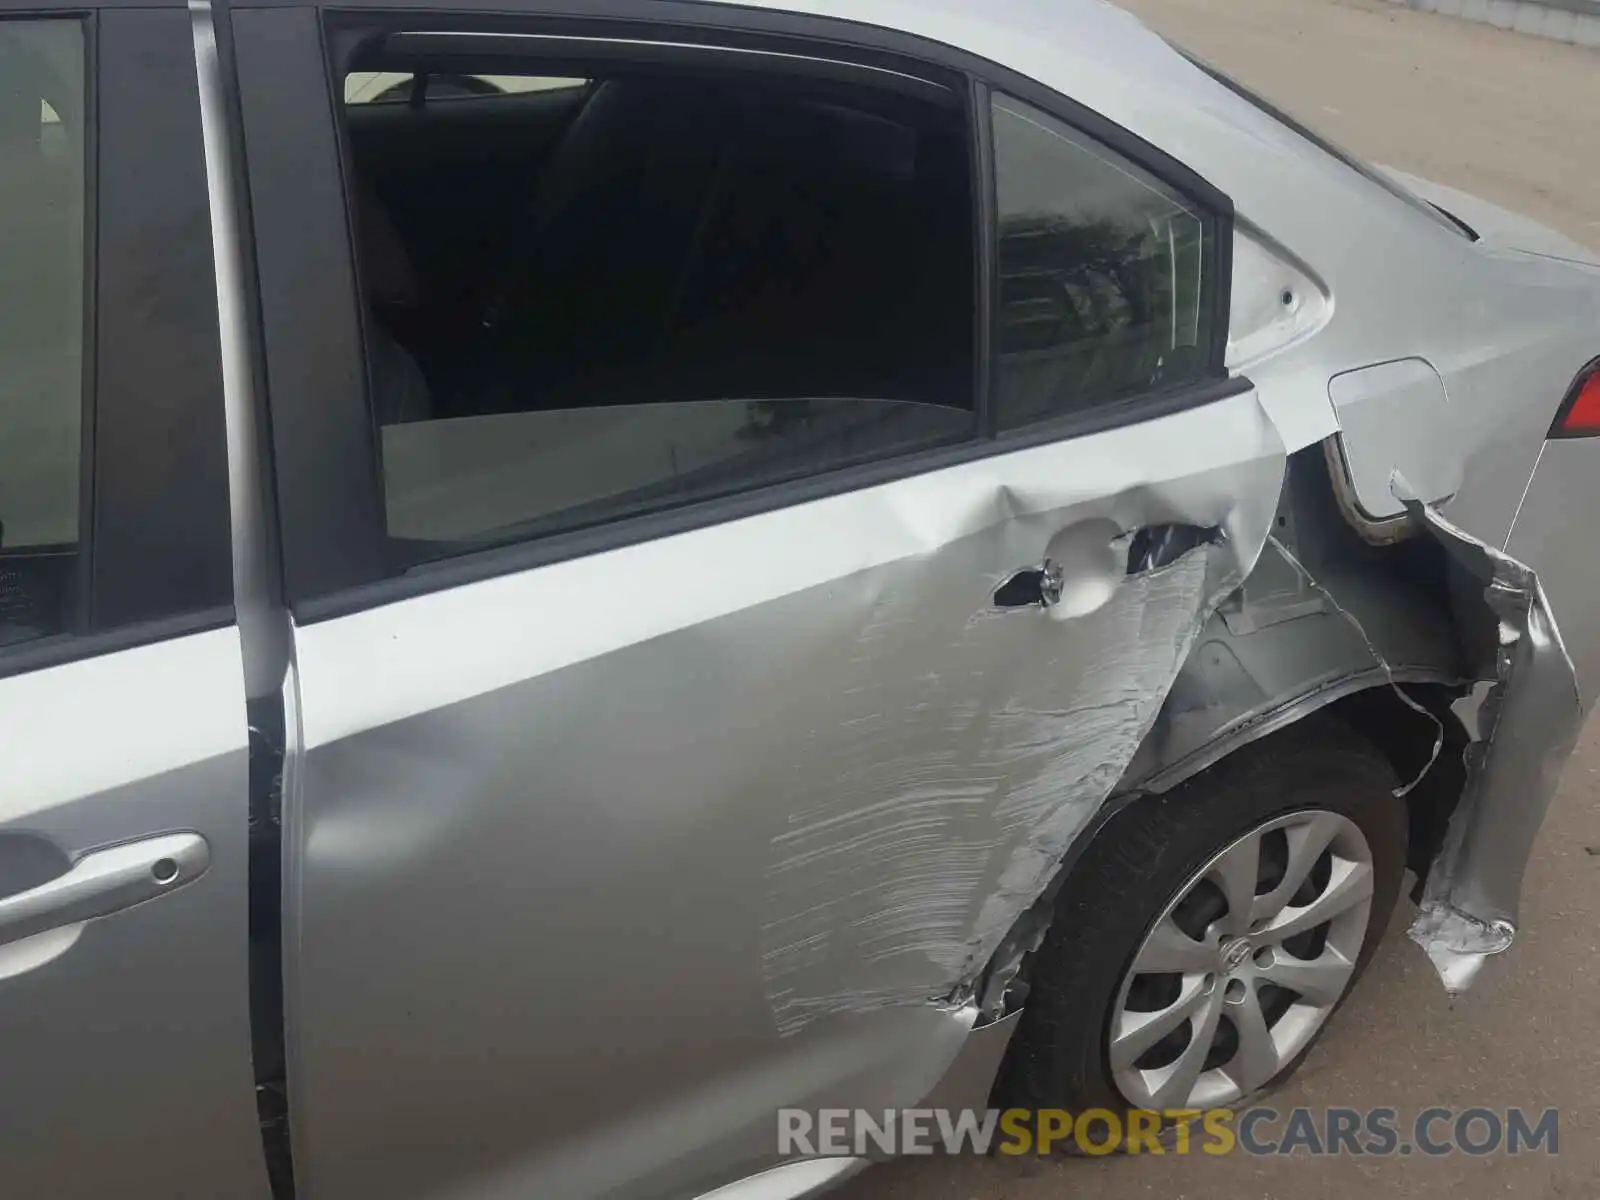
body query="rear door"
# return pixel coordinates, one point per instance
(125, 1049)
(689, 698)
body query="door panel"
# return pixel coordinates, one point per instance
(125, 1041)
(125, 1051)
(600, 863)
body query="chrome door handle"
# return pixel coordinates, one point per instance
(1052, 580)
(1032, 587)
(106, 881)
(1086, 562)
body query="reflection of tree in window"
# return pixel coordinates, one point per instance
(774, 418)
(1063, 282)
(1100, 288)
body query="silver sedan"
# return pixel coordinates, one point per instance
(582, 584)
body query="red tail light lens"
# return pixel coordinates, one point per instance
(1580, 413)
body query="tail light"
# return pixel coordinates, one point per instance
(1580, 411)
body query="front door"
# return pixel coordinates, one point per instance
(125, 1050)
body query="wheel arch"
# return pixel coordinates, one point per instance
(1366, 702)
(1326, 628)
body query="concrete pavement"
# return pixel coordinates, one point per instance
(1517, 121)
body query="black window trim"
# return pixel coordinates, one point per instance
(986, 264)
(58, 650)
(434, 45)
(84, 616)
(326, 577)
(489, 563)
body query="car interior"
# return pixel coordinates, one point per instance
(733, 276)
(645, 238)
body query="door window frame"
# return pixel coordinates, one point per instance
(154, 528)
(329, 481)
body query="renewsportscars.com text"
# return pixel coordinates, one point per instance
(1257, 1131)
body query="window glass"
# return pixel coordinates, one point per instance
(41, 322)
(1103, 289)
(487, 479)
(666, 290)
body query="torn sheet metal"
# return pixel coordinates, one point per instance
(1021, 734)
(1277, 650)
(1394, 416)
(1354, 622)
(1527, 726)
(928, 809)
(747, 789)
(968, 1080)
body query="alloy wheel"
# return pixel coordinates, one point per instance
(1244, 965)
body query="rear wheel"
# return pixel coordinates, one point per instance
(1206, 937)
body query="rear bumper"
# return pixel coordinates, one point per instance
(1527, 722)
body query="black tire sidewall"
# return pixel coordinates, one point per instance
(1135, 867)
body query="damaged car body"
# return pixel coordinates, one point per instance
(773, 556)
(1527, 724)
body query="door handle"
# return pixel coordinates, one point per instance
(1087, 561)
(1032, 587)
(104, 882)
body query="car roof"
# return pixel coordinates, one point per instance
(1044, 35)
(987, 28)
(1107, 60)
(1099, 56)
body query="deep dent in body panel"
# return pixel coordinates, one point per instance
(623, 749)
(937, 868)
(1527, 716)
(1026, 792)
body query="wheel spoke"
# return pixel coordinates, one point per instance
(1136, 1032)
(1169, 949)
(1349, 884)
(1257, 1060)
(1307, 841)
(1225, 971)
(1174, 1084)
(1320, 981)
(1236, 872)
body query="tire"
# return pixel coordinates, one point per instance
(1145, 860)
